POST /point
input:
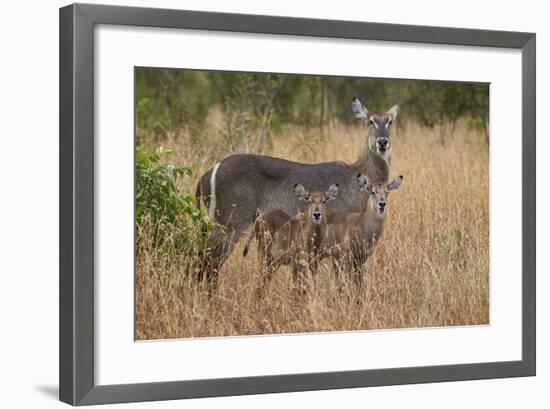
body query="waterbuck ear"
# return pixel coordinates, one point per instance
(395, 183)
(363, 182)
(301, 192)
(332, 192)
(359, 110)
(394, 111)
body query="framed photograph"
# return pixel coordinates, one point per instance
(255, 204)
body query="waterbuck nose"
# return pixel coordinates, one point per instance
(382, 205)
(383, 142)
(316, 215)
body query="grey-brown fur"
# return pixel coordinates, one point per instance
(352, 236)
(247, 182)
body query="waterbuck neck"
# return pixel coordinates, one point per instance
(372, 164)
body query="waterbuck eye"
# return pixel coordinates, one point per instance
(389, 123)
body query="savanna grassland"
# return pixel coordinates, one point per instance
(430, 269)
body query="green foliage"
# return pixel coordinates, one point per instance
(476, 123)
(439, 102)
(144, 110)
(239, 120)
(172, 99)
(249, 108)
(176, 222)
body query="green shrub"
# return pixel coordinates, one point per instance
(143, 113)
(165, 218)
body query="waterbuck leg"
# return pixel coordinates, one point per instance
(224, 245)
(338, 265)
(298, 264)
(357, 270)
(359, 264)
(266, 275)
(314, 268)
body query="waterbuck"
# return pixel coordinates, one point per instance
(351, 236)
(238, 185)
(282, 239)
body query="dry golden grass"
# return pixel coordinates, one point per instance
(430, 269)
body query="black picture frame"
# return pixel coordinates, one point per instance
(76, 275)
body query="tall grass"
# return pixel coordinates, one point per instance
(430, 269)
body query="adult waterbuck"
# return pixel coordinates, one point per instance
(238, 185)
(283, 239)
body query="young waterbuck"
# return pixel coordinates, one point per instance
(351, 236)
(238, 185)
(283, 239)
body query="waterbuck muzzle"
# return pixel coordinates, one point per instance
(382, 143)
(317, 216)
(381, 206)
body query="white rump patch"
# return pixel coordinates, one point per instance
(212, 206)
